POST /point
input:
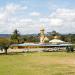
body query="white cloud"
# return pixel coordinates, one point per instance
(44, 19)
(24, 8)
(26, 20)
(7, 11)
(60, 20)
(8, 22)
(66, 12)
(63, 18)
(56, 22)
(34, 14)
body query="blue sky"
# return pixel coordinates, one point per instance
(29, 15)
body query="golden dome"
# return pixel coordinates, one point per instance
(56, 37)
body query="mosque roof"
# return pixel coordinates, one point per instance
(56, 40)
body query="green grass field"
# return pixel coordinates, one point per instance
(44, 63)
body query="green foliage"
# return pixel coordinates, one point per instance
(69, 38)
(65, 37)
(15, 37)
(46, 41)
(31, 38)
(5, 43)
(53, 33)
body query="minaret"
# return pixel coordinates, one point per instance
(42, 35)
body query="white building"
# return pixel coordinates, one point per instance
(43, 38)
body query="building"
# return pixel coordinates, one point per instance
(43, 38)
(56, 41)
(51, 44)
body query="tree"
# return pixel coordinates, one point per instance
(4, 43)
(31, 38)
(53, 33)
(15, 37)
(70, 38)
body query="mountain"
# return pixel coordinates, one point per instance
(5, 35)
(8, 35)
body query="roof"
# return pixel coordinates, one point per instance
(56, 41)
(50, 45)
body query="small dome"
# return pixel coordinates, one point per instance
(56, 41)
(56, 37)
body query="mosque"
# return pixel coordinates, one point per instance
(55, 42)
(44, 38)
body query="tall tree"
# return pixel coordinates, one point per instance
(53, 33)
(15, 37)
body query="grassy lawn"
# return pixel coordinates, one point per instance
(44, 63)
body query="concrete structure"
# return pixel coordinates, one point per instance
(56, 41)
(43, 38)
(42, 35)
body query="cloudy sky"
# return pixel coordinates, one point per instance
(29, 15)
